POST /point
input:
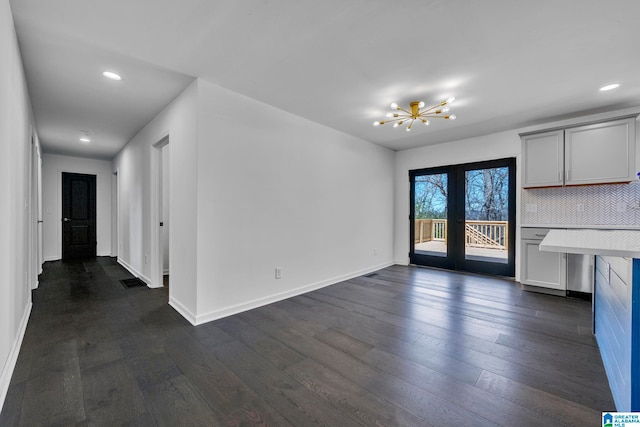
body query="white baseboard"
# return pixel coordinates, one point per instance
(52, 258)
(184, 312)
(250, 305)
(402, 262)
(133, 271)
(12, 358)
(165, 272)
(104, 254)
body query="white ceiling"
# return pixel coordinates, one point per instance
(509, 63)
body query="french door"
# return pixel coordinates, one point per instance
(463, 217)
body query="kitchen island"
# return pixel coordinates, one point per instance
(616, 303)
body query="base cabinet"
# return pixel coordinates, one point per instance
(544, 270)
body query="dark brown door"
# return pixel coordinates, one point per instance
(78, 216)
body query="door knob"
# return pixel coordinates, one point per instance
(66, 219)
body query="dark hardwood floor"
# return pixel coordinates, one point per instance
(404, 347)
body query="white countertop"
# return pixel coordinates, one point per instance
(624, 243)
(595, 227)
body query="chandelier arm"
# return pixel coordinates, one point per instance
(402, 109)
(436, 117)
(396, 119)
(426, 110)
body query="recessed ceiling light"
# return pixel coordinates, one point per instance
(85, 139)
(609, 87)
(111, 75)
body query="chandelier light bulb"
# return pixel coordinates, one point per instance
(421, 104)
(408, 128)
(450, 99)
(376, 123)
(426, 122)
(452, 117)
(111, 75)
(394, 106)
(445, 109)
(395, 125)
(389, 114)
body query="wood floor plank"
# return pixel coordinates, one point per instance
(365, 407)
(402, 394)
(493, 408)
(565, 412)
(279, 390)
(176, 402)
(221, 387)
(111, 396)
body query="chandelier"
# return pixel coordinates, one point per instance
(418, 112)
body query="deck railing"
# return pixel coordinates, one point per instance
(478, 234)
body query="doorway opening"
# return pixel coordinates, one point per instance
(463, 217)
(160, 195)
(78, 216)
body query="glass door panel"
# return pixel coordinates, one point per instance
(486, 210)
(430, 218)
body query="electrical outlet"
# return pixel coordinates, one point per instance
(278, 272)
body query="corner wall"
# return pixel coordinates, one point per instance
(277, 190)
(17, 227)
(133, 167)
(52, 167)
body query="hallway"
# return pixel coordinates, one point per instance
(403, 346)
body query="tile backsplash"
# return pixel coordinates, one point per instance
(615, 204)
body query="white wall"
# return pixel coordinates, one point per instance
(53, 166)
(276, 190)
(16, 201)
(133, 164)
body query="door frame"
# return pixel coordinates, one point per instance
(455, 259)
(156, 274)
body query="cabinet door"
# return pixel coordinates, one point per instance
(543, 159)
(600, 153)
(543, 269)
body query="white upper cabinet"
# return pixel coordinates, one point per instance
(543, 159)
(598, 153)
